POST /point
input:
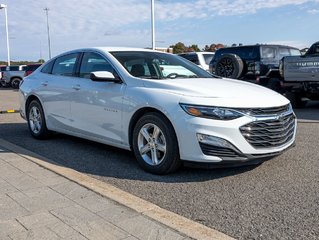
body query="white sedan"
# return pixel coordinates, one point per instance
(135, 99)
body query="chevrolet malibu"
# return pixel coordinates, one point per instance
(162, 107)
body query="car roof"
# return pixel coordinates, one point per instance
(115, 49)
(109, 49)
(185, 53)
(260, 45)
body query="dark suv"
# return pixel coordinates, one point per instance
(255, 63)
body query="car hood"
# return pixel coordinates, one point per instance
(220, 91)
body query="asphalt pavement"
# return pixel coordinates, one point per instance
(278, 199)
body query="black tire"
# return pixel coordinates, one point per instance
(274, 84)
(229, 66)
(3, 84)
(35, 114)
(15, 83)
(295, 100)
(168, 161)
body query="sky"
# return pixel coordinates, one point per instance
(77, 23)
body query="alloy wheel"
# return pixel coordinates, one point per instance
(35, 120)
(152, 144)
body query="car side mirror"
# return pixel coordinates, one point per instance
(104, 76)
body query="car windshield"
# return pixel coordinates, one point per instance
(295, 52)
(157, 65)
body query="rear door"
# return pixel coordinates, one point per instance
(56, 89)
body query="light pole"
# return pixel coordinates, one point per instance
(153, 24)
(3, 6)
(48, 29)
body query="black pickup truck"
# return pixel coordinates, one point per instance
(300, 76)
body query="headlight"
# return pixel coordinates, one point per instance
(217, 113)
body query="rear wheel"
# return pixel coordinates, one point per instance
(155, 144)
(274, 84)
(36, 120)
(15, 82)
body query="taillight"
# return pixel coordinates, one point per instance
(27, 73)
(257, 68)
(281, 68)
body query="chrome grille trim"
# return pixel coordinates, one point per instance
(270, 133)
(264, 111)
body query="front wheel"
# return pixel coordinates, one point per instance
(155, 144)
(36, 120)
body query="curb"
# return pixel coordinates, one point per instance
(172, 220)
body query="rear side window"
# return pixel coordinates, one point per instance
(268, 52)
(32, 67)
(249, 52)
(65, 65)
(294, 52)
(2, 69)
(93, 62)
(191, 57)
(14, 68)
(47, 68)
(282, 52)
(208, 58)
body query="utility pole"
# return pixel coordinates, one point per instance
(3, 6)
(48, 29)
(153, 24)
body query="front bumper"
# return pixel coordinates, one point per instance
(241, 150)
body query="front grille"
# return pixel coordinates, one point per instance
(264, 111)
(269, 133)
(211, 150)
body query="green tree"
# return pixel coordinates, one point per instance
(193, 48)
(178, 47)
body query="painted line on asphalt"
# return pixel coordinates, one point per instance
(307, 121)
(9, 111)
(172, 220)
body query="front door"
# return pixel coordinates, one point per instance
(96, 107)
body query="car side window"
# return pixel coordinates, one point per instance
(268, 52)
(93, 62)
(192, 57)
(47, 68)
(65, 65)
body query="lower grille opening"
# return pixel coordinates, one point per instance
(222, 152)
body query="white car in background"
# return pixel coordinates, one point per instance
(201, 59)
(120, 97)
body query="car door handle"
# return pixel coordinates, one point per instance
(44, 84)
(77, 87)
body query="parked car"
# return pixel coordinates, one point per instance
(30, 68)
(12, 76)
(120, 97)
(202, 59)
(255, 63)
(2, 69)
(300, 76)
